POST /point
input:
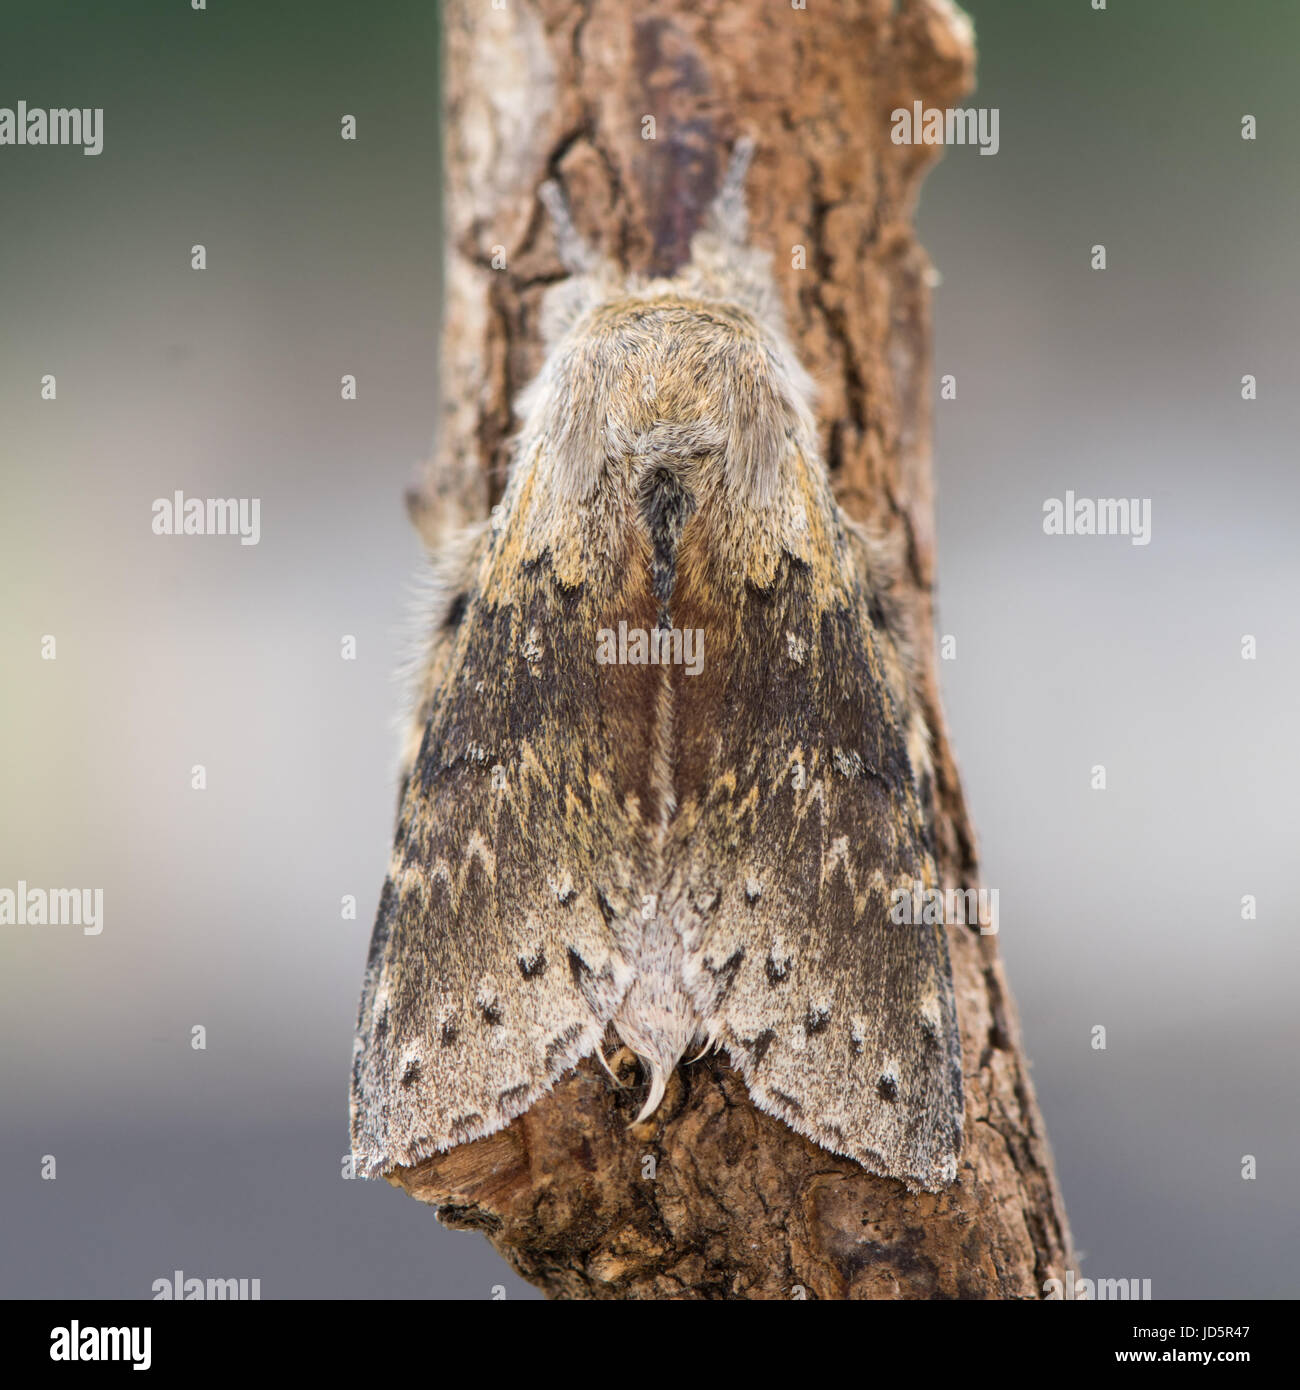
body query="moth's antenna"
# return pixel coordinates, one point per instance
(729, 215)
(576, 254)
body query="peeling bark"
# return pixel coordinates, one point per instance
(712, 1198)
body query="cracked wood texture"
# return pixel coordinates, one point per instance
(712, 1199)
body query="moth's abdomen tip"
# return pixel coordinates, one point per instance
(658, 1086)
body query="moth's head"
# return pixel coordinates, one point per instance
(723, 267)
(654, 374)
(695, 365)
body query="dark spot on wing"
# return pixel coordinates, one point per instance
(578, 967)
(530, 967)
(788, 1101)
(876, 612)
(726, 973)
(456, 611)
(560, 1045)
(758, 1048)
(817, 1020)
(515, 1093)
(464, 1127)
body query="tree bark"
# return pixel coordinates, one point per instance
(713, 1198)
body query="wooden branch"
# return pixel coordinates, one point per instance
(712, 1198)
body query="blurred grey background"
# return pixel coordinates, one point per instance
(222, 908)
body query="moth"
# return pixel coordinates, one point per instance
(596, 837)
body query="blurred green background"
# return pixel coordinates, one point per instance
(222, 908)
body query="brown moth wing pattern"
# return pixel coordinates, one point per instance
(679, 849)
(793, 772)
(494, 964)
